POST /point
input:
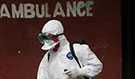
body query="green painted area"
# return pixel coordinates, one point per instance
(84, 5)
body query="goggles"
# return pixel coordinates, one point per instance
(44, 37)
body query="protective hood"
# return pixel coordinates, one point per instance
(55, 28)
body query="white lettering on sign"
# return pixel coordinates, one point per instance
(30, 10)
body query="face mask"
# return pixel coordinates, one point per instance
(49, 44)
(48, 40)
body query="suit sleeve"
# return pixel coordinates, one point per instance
(91, 65)
(42, 71)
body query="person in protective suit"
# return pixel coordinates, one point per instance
(58, 62)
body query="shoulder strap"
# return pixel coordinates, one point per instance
(48, 56)
(74, 55)
(81, 42)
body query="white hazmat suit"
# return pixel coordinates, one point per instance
(61, 64)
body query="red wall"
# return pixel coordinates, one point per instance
(102, 31)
